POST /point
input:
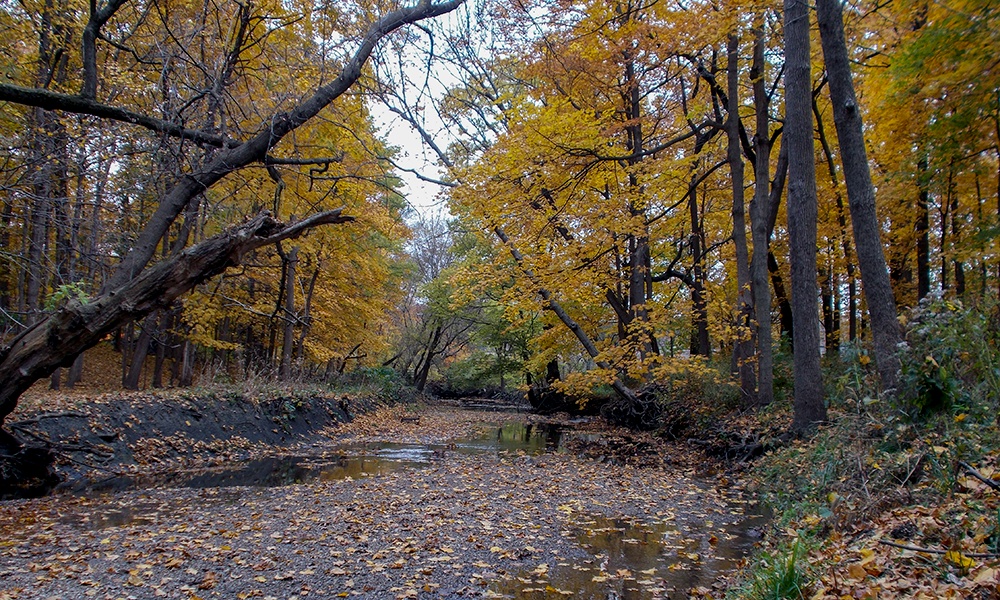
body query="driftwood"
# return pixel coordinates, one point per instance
(56, 340)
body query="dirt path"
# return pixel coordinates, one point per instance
(507, 524)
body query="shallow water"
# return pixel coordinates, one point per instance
(342, 462)
(639, 561)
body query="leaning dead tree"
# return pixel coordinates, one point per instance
(135, 288)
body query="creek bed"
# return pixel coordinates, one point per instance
(508, 513)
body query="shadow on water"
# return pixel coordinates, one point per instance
(639, 561)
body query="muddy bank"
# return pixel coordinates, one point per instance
(123, 432)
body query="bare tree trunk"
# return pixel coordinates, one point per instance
(956, 263)
(424, 369)
(288, 337)
(743, 349)
(860, 193)
(300, 352)
(700, 342)
(810, 408)
(760, 225)
(786, 325)
(923, 230)
(139, 353)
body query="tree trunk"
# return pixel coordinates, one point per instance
(860, 193)
(75, 375)
(139, 353)
(923, 231)
(300, 351)
(700, 343)
(424, 369)
(809, 409)
(743, 348)
(831, 342)
(760, 223)
(288, 337)
(956, 263)
(785, 320)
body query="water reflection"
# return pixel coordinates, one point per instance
(637, 561)
(362, 460)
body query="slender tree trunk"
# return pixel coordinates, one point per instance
(139, 353)
(288, 338)
(956, 263)
(420, 377)
(700, 343)
(826, 293)
(810, 408)
(860, 193)
(923, 231)
(760, 223)
(743, 349)
(945, 212)
(300, 351)
(785, 321)
(161, 349)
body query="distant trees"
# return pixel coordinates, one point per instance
(589, 146)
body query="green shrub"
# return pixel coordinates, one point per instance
(950, 360)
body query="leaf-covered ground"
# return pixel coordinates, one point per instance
(889, 515)
(468, 525)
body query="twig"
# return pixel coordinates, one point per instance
(979, 476)
(935, 551)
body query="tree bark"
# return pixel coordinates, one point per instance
(743, 349)
(700, 342)
(809, 408)
(760, 223)
(860, 193)
(56, 340)
(288, 336)
(923, 230)
(139, 352)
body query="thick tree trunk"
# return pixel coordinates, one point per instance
(56, 340)
(860, 193)
(743, 348)
(810, 408)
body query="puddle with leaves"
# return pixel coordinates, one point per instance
(638, 561)
(346, 462)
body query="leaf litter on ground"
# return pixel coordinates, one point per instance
(466, 526)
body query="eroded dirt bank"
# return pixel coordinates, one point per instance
(119, 433)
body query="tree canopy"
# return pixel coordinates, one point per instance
(615, 174)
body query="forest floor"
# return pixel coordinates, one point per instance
(538, 509)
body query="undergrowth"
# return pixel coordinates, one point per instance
(890, 472)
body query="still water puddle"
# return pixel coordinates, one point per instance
(638, 561)
(346, 462)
